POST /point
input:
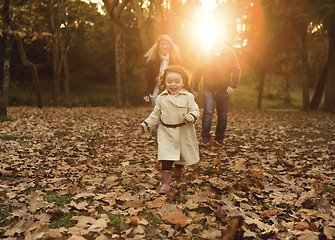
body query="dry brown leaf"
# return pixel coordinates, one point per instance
(211, 234)
(176, 218)
(268, 213)
(329, 232)
(258, 174)
(217, 161)
(90, 154)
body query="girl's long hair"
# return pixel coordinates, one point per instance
(153, 52)
(179, 70)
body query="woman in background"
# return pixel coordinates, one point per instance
(162, 54)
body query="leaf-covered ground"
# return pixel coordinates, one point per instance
(85, 173)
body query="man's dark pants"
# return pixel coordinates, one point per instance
(221, 100)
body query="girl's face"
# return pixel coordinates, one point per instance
(174, 82)
(164, 47)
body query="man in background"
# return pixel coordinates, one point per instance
(220, 72)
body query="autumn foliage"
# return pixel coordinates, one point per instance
(87, 173)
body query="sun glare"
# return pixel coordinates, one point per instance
(207, 31)
(99, 4)
(208, 5)
(207, 28)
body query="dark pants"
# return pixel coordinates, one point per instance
(167, 165)
(221, 100)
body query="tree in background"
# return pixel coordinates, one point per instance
(9, 39)
(258, 34)
(329, 22)
(115, 11)
(276, 39)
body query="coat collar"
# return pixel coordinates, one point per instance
(183, 91)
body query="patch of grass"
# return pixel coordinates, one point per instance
(43, 151)
(115, 220)
(223, 169)
(5, 212)
(115, 161)
(271, 172)
(61, 134)
(201, 222)
(25, 137)
(40, 211)
(182, 199)
(236, 173)
(9, 137)
(198, 238)
(210, 168)
(328, 188)
(40, 167)
(89, 200)
(59, 200)
(29, 190)
(67, 181)
(129, 186)
(218, 196)
(5, 118)
(152, 219)
(246, 93)
(295, 133)
(64, 220)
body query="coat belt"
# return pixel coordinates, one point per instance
(172, 125)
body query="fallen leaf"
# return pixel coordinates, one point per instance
(176, 218)
(268, 213)
(217, 161)
(258, 174)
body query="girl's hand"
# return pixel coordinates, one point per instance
(146, 98)
(188, 118)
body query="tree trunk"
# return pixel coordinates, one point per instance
(261, 74)
(56, 57)
(115, 9)
(305, 82)
(33, 67)
(7, 58)
(261, 77)
(159, 19)
(316, 100)
(287, 89)
(6, 75)
(120, 59)
(329, 105)
(141, 25)
(65, 64)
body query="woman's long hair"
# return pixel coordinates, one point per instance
(153, 52)
(179, 70)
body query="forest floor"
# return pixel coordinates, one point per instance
(85, 173)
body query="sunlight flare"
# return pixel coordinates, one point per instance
(207, 31)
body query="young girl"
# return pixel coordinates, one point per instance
(176, 112)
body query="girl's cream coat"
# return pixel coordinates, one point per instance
(178, 144)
